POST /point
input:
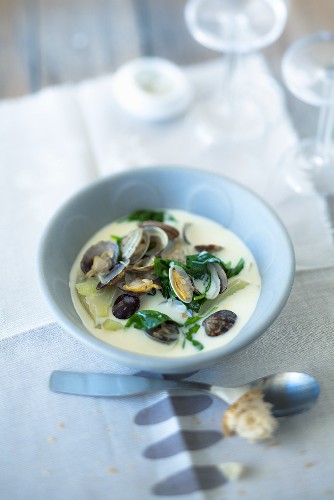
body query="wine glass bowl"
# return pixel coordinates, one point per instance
(236, 28)
(308, 71)
(240, 26)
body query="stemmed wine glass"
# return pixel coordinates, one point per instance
(236, 28)
(308, 71)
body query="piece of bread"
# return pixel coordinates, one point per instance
(250, 417)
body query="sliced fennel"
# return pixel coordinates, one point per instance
(234, 285)
(99, 304)
(88, 287)
(113, 326)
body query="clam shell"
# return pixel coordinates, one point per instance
(139, 286)
(167, 333)
(185, 233)
(181, 283)
(219, 322)
(214, 282)
(125, 306)
(142, 265)
(175, 251)
(171, 231)
(158, 240)
(108, 248)
(218, 281)
(135, 244)
(115, 275)
(208, 248)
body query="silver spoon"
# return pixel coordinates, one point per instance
(288, 392)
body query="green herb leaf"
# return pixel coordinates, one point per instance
(191, 320)
(196, 303)
(199, 297)
(118, 240)
(147, 319)
(143, 215)
(233, 271)
(189, 336)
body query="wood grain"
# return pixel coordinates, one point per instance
(47, 42)
(82, 39)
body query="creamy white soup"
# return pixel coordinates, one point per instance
(165, 283)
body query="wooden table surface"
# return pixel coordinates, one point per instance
(50, 42)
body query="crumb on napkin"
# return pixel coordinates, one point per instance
(250, 417)
(232, 471)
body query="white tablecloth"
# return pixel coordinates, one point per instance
(67, 447)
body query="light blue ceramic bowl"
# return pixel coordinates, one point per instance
(199, 192)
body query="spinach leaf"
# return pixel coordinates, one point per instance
(161, 269)
(143, 215)
(197, 264)
(161, 266)
(166, 289)
(147, 319)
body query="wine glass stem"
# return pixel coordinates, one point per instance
(230, 91)
(324, 138)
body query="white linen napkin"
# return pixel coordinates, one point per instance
(55, 142)
(59, 446)
(44, 158)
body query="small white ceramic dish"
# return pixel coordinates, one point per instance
(152, 89)
(196, 191)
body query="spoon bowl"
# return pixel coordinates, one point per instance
(288, 392)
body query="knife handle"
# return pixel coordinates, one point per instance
(104, 384)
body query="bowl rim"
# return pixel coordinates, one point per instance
(148, 362)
